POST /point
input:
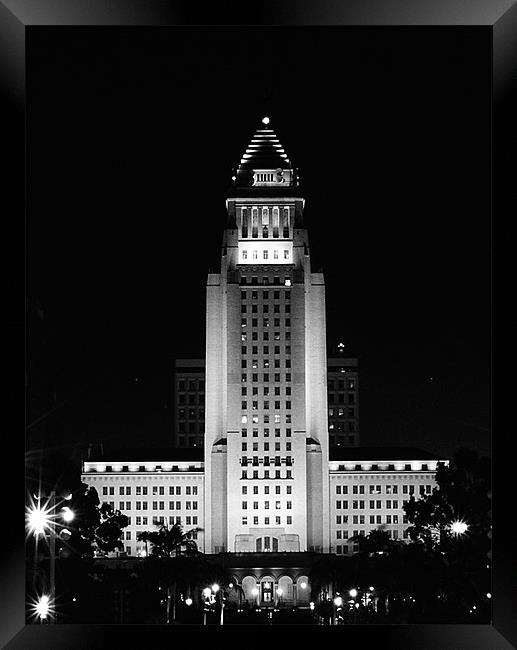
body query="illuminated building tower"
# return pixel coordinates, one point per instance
(266, 429)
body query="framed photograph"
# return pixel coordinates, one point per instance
(256, 241)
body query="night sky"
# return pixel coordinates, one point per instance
(133, 135)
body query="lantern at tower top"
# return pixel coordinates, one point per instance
(265, 162)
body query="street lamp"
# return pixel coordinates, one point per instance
(39, 519)
(353, 593)
(215, 588)
(338, 602)
(207, 592)
(188, 601)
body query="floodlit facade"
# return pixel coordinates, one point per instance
(270, 461)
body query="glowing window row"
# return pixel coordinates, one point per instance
(265, 254)
(277, 419)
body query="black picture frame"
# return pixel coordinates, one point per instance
(16, 16)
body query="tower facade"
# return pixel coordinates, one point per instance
(266, 429)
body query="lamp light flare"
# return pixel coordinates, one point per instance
(353, 593)
(188, 601)
(265, 120)
(42, 607)
(338, 601)
(38, 520)
(303, 585)
(459, 527)
(67, 514)
(206, 592)
(215, 588)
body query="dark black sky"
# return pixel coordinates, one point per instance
(133, 134)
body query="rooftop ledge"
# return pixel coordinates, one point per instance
(380, 466)
(136, 468)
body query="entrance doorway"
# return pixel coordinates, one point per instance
(266, 544)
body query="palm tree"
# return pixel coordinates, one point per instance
(168, 545)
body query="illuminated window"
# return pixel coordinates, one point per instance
(286, 256)
(265, 254)
(255, 255)
(244, 255)
(275, 255)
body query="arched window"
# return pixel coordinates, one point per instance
(249, 587)
(303, 590)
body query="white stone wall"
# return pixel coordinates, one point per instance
(316, 396)
(387, 486)
(214, 390)
(153, 481)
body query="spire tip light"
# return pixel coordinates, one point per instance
(265, 120)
